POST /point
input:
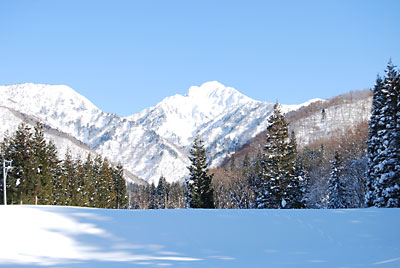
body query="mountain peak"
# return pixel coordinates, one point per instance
(210, 89)
(217, 93)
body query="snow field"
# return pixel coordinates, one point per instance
(83, 237)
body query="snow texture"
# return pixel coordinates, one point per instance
(82, 237)
(331, 121)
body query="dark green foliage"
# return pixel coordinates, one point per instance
(121, 199)
(162, 193)
(339, 193)
(374, 143)
(278, 186)
(200, 193)
(153, 199)
(38, 177)
(383, 182)
(18, 148)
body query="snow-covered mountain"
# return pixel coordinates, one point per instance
(333, 118)
(10, 119)
(156, 141)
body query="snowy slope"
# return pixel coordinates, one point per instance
(332, 121)
(82, 237)
(60, 107)
(11, 119)
(156, 141)
(161, 136)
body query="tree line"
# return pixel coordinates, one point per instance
(38, 175)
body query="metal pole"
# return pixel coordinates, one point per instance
(5, 170)
(4, 183)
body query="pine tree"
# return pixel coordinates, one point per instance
(45, 162)
(200, 193)
(151, 190)
(176, 197)
(67, 184)
(388, 185)
(374, 141)
(121, 199)
(278, 183)
(19, 150)
(383, 182)
(106, 195)
(305, 186)
(81, 195)
(339, 194)
(295, 177)
(161, 193)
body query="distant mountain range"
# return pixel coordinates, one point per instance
(156, 141)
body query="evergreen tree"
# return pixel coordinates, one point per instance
(89, 191)
(45, 162)
(94, 175)
(67, 183)
(161, 193)
(305, 186)
(151, 190)
(295, 177)
(383, 182)
(81, 195)
(339, 194)
(278, 182)
(200, 193)
(374, 142)
(120, 187)
(77, 184)
(19, 150)
(176, 197)
(106, 195)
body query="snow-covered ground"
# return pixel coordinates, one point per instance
(82, 237)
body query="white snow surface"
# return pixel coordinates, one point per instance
(82, 237)
(292, 107)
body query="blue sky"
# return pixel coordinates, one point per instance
(128, 55)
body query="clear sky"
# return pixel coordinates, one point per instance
(128, 55)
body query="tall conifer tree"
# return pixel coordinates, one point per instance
(200, 193)
(374, 142)
(339, 195)
(121, 198)
(383, 182)
(278, 185)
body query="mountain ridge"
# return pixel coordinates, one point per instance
(154, 142)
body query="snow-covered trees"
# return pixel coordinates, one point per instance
(383, 181)
(39, 177)
(26, 179)
(165, 196)
(279, 183)
(339, 193)
(200, 193)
